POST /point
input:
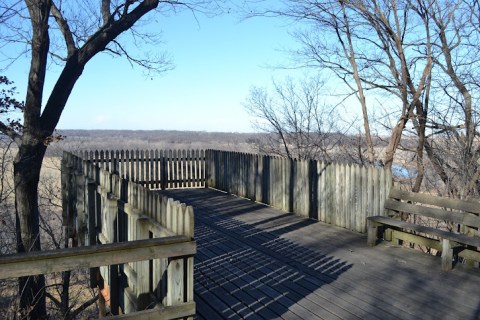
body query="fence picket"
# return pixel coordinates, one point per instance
(333, 193)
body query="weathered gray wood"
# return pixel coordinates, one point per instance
(364, 212)
(447, 255)
(175, 282)
(267, 179)
(42, 262)
(372, 228)
(468, 205)
(161, 312)
(277, 268)
(417, 239)
(347, 198)
(136, 209)
(433, 208)
(436, 213)
(460, 238)
(470, 255)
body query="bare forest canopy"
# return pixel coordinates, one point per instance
(151, 139)
(74, 140)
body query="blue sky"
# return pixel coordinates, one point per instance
(216, 61)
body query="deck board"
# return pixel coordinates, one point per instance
(256, 262)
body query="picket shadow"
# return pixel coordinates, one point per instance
(245, 272)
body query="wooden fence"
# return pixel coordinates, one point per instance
(339, 194)
(154, 169)
(101, 207)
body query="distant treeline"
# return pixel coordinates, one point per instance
(153, 139)
(75, 140)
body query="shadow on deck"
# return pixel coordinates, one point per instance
(257, 262)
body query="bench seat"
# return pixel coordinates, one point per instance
(461, 212)
(441, 234)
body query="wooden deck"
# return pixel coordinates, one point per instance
(256, 262)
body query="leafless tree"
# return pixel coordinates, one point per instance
(300, 124)
(421, 56)
(69, 34)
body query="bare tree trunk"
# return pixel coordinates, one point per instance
(421, 126)
(27, 166)
(394, 141)
(350, 54)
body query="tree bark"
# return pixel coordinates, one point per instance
(38, 126)
(350, 55)
(394, 141)
(27, 166)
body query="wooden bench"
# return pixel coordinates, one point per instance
(427, 213)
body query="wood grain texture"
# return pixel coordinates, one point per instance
(254, 261)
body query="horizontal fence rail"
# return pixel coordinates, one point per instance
(101, 207)
(339, 194)
(154, 169)
(42, 262)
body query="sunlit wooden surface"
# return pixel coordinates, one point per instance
(257, 262)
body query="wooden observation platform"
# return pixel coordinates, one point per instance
(223, 235)
(257, 262)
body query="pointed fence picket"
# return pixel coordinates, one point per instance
(103, 207)
(154, 169)
(340, 194)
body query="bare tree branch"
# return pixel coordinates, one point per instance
(65, 29)
(106, 11)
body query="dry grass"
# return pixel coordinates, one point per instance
(52, 238)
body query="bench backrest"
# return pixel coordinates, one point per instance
(466, 212)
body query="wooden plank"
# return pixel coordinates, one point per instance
(375, 189)
(370, 191)
(130, 301)
(137, 166)
(141, 162)
(322, 173)
(203, 168)
(370, 276)
(447, 255)
(153, 226)
(470, 254)
(200, 168)
(417, 239)
(468, 205)
(175, 282)
(371, 232)
(460, 238)
(348, 199)
(437, 213)
(130, 165)
(18, 265)
(189, 222)
(357, 190)
(330, 195)
(174, 174)
(338, 195)
(161, 312)
(170, 169)
(364, 213)
(121, 163)
(188, 175)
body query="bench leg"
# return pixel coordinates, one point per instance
(372, 227)
(447, 255)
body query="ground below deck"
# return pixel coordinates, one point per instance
(256, 262)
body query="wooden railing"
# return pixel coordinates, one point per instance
(339, 194)
(43, 262)
(154, 169)
(100, 207)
